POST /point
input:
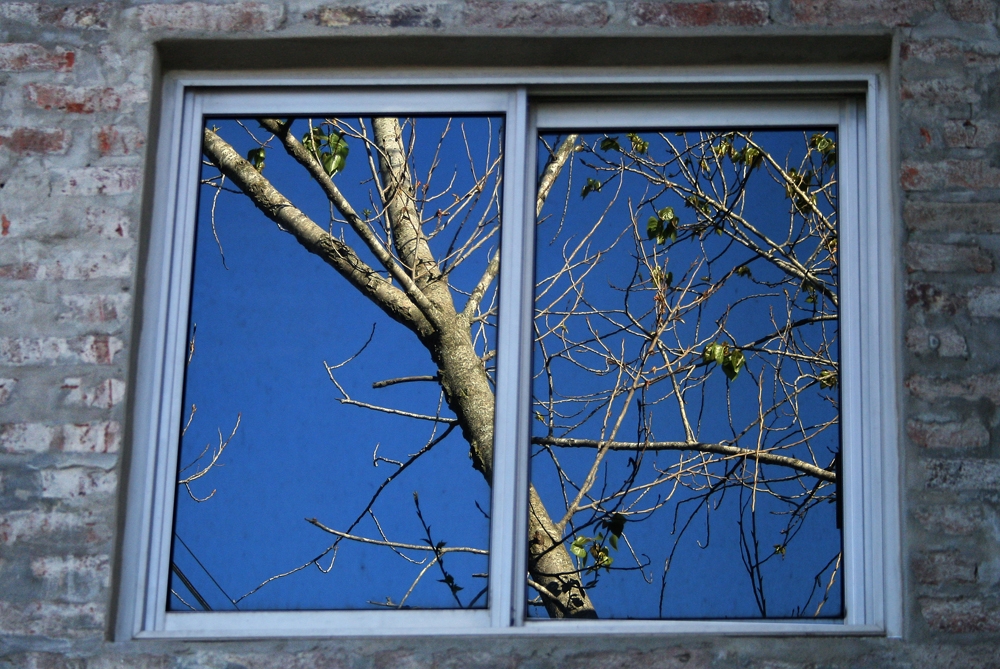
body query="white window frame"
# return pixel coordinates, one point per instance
(852, 99)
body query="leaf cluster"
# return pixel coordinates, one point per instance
(729, 357)
(330, 148)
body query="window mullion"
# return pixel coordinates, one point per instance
(507, 544)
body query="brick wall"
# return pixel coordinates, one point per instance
(75, 89)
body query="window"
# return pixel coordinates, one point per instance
(495, 357)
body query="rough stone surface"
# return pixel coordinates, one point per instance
(77, 81)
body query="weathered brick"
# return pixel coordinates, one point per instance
(534, 15)
(692, 14)
(52, 619)
(860, 12)
(6, 389)
(930, 50)
(76, 484)
(984, 302)
(96, 308)
(121, 140)
(94, 437)
(967, 174)
(107, 222)
(82, 525)
(72, 265)
(392, 15)
(960, 615)
(84, 100)
(947, 566)
(104, 395)
(19, 57)
(970, 388)
(27, 437)
(947, 342)
(951, 91)
(199, 16)
(34, 140)
(971, 134)
(90, 349)
(73, 578)
(965, 474)
(921, 257)
(933, 299)
(951, 435)
(972, 217)
(87, 17)
(88, 181)
(951, 519)
(973, 11)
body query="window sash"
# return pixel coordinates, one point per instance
(870, 493)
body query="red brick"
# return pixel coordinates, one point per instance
(535, 15)
(198, 16)
(77, 578)
(6, 389)
(951, 435)
(972, 388)
(951, 519)
(73, 265)
(89, 181)
(90, 349)
(76, 484)
(90, 309)
(960, 615)
(860, 12)
(698, 14)
(947, 342)
(94, 437)
(34, 140)
(103, 395)
(87, 17)
(984, 302)
(31, 526)
(52, 619)
(84, 100)
(20, 57)
(930, 51)
(119, 140)
(401, 15)
(973, 217)
(966, 474)
(947, 258)
(107, 222)
(933, 299)
(978, 134)
(937, 567)
(964, 174)
(973, 11)
(940, 92)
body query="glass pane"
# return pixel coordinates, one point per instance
(327, 429)
(686, 376)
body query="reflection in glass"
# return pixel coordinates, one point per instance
(685, 429)
(340, 366)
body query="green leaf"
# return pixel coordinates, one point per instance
(639, 145)
(578, 551)
(256, 158)
(732, 364)
(667, 214)
(828, 379)
(610, 144)
(654, 227)
(742, 270)
(613, 540)
(592, 186)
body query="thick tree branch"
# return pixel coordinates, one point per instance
(331, 250)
